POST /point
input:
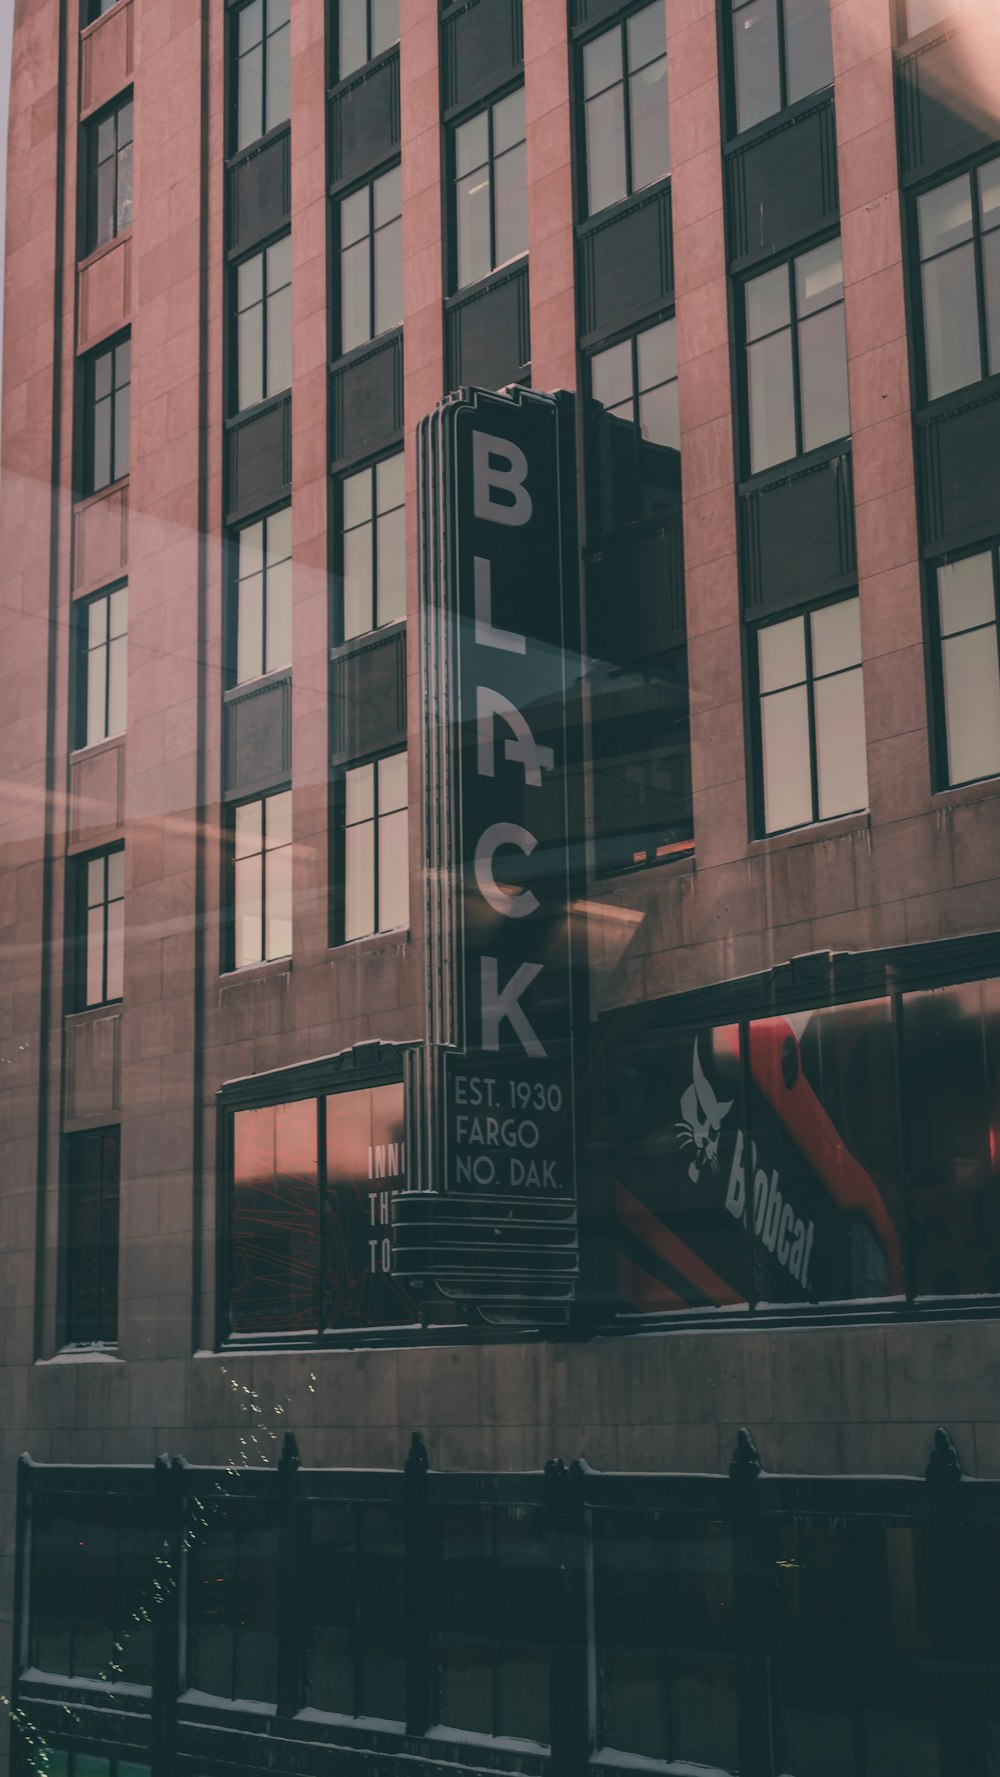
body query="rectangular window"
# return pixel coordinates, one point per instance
(811, 717)
(107, 378)
(959, 231)
(90, 1240)
(264, 323)
(625, 107)
(100, 927)
(371, 260)
(796, 357)
(262, 86)
(781, 52)
(108, 152)
(491, 195)
(375, 848)
(101, 637)
(91, 1573)
(967, 609)
(310, 1220)
(232, 1598)
(262, 879)
(263, 613)
(492, 1625)
(356, 1611)
(96, 9)
(366, 28)
(641, 736)
(636, 436)
(372, 547)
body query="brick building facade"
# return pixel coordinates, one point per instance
(210, 742)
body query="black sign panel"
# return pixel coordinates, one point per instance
(501, 677)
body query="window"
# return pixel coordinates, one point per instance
(108, 208)
(959, 229)
(920, 15)
(262, 885)
(781, 52)
(365, 29)
(796, 357)
(91, 1572)
(61, 1763)
(371, 260)
(264, 323)
(625, 107)
(107, 378)
(310, 1224)
(641, 734)
(91, 1236)
(100, 927)
(261, 39)
(492, 1622)
(97, 8)
(376, 864)
(966, 610)
(637, 465)
(102, 666)
(491, 200)
(264, 596)
(812, 718)
(373, 558)
(232, 1592)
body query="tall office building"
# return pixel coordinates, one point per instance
(500, 916)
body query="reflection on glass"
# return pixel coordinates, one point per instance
(262, 889)
(264, 596)
(808, 48)
(491, 216)
(777, 431)
(275, 1218)
(625, 154)
(376, 884)
(756, 61)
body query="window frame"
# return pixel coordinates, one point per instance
(934, 657)
(233, 60)
(259, 251)
(727, 51)
(969, 170)
(338, 833)
(79, 907)
(89, 164)
(368, 1068)
(89, 402)
(580, 43)
(230, 965)
(337, 75)
(759, 831)
(96, 10)
(742, 344)
(453, 289)
(80, 698)
(369, 238)
(596, 533)
(71, 1335)
(234, 581)
(339, 639)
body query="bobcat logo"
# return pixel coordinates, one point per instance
(702, 1121)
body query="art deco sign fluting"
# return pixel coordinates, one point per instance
(494, 1225)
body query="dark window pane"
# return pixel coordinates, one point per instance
(768, 305)
(841, 758)
(784, 719)
(971, 675)
(808, 49)
(353, 19)
(951, 322)
(250, 97)
(511, 200)
(755, 55)
(464, 1629)
(823, 378)
(771, 394)
(951, 1048)
(212, 1603)
(257, 1604)
(650, 124)
(824, 1211)
(124, 217)
(630, 1633)
(53, 1546)
(101, 471)
(524, 1637)
(385, 25)
(115, 950)
(473, 226)
(355, 295)
(278, 98)
(701, 1623)
(366, 1167)
(389, 277)
(275, 1226)
(250, 356)
(331, 1617)
(94, 1576)
(605, 121)
(104, 199)
(123, 406)
(642, 760)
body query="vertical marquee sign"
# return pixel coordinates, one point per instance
(492, 1224)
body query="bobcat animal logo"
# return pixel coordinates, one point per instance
(701, 1125)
